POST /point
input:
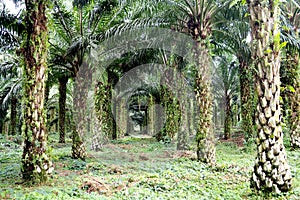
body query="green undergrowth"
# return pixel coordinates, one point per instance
(139, 168)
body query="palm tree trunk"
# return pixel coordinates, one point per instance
(271, 170)
(62, 107)
(152, 117)
(112, 118)
(247, 100)
(228, 118)
(82, 85)
(13, 115)
(103, 110)
(183, 133)
(165, 96)
(205, 134)
(47, 91)
(111, 81)
(293, 68)
(36, 164)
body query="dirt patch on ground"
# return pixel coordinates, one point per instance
(237, 139)
(95, 184)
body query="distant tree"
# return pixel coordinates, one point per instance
(232, 37)
(11, 29)
(226, 88)
(10, 88)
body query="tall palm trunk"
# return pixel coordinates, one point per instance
(13, 115)
(271, 170)
(62, 107)
(82, 85)
(103, 110)
(205, 134)
(294, 97)
(247, 100)
(36, 163)
(112, 79)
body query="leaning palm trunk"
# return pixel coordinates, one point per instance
(36, 164)
(294, 67)
(271, 170)
(205, 135)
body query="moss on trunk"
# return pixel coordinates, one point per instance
(36, 164)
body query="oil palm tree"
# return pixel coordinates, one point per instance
(197, 19)
(73, 33)
(36, 164)
(271, 169)
(11, 85)
(226, 86)
(231, 37)
(11, 29)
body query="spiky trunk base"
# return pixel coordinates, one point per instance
(78, 148)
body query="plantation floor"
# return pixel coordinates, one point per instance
(139, 168)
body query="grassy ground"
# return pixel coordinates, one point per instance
(135, 168)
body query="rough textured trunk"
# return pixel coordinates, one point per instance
(200, 29)
(121, 115)
(82, 85)
(247, 100)
(294, 97)
(36, 164)
(205, 134)
(103, 110)
(13, 115)
(111, 81)
(183, 134)
(171, 107)
(182, 117)
(62, 108)
(271, 170)
(151, 111)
